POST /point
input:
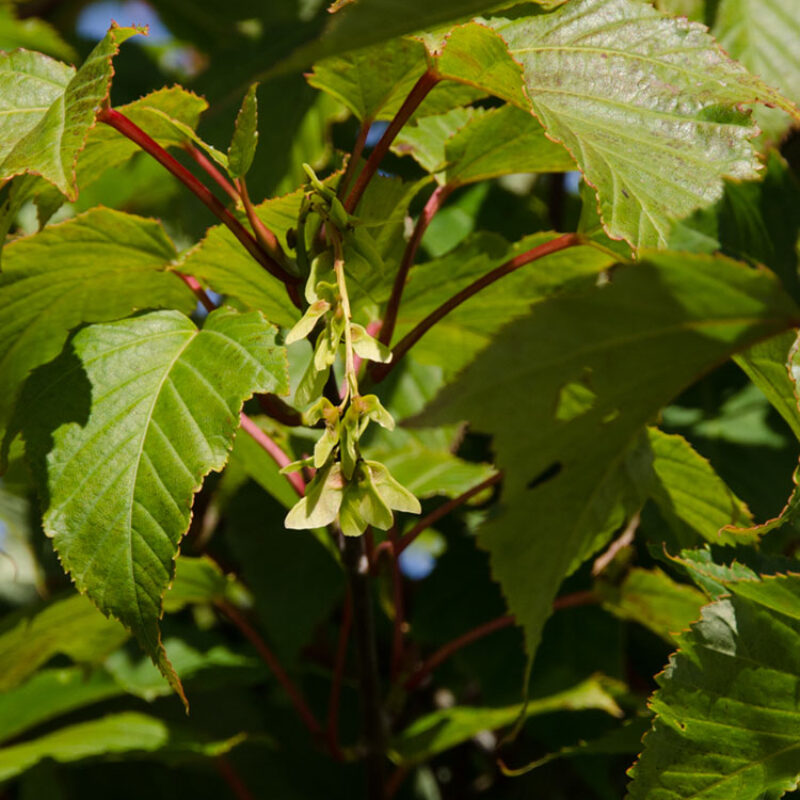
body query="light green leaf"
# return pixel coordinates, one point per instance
(727, 717)
(763, 35)
(501, 142)
(449, 727)
(242, 148)
(122, 428)
(427, 472)
(220, 261)
(31, 34)
(155, 114)
(468, 145)
(117, 735)
(49, 109)
(71, 626)
(52, 692)
(197, 580)
(768, 365)
(689, 492)
(641, 338)
(467, 330)
(374, 82)
(98, 266)
(646, 104)
(653, 599)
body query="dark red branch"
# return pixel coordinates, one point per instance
(267, 239)
(433, 205)
(332, 731)
(234, 780)
(443, 653)
(399, 610)
(411, 104)
(210, 169)
(355, 158)
(410, 339)
(199, 291)
(275, 452)
(396, 548)
(133, 132)
(268, 657)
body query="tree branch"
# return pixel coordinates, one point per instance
(352, 164)
(397, 547)
(268, 657)
(275, 452)
(411, 104)
(380, 371)
(443, 653)
(266, 238)
(336, 683)
(364, 628)
(435, 202)
(210, 169)
(399, 610)
(198, 290)
(133, 132)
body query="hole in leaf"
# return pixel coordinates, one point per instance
(546, 475)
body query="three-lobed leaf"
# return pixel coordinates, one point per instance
(122, 428)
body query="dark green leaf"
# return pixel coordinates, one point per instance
(636, 341)
(242, 149)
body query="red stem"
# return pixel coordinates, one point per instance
(275, 452)
(355, 158)
(397, 547)
(268, 657)
(435, 202)
(336, 683)
(205, 164)
(267, 239)
(410, 339)
(443, 653)
(234, 780)
(396, 781)
(133, 132)
(399, 611)
(199, 291)
(411, 104)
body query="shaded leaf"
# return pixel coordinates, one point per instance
(197, 580)
(98, 266)
(769, 365)
(467, 330)
(441, 730)
(117, 735)
(31, 34)
(117, 478)
(71, 626)
(646, 105)
(368, 22)
(49, 109)
(653, 599)
(689, 492)
(641, 338)
(727, 717)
